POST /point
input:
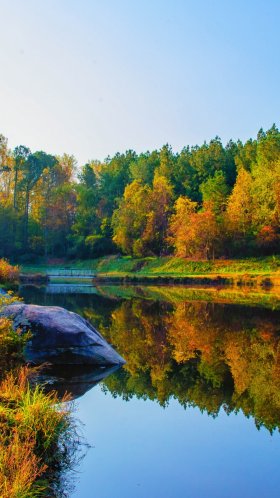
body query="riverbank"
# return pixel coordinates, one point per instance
(33, 437)
(255, 272)
(36, 428)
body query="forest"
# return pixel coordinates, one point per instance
(209, 201)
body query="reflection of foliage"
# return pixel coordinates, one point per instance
(182, 345)
(178, 294)
(203, 354)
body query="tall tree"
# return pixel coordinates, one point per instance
(154, 236)
(240, 205)
(130, 218)
(215, 190)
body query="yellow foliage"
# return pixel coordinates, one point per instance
(8, 273)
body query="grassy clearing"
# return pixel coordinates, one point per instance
(183, 267)
(253, 272)
(125, 265)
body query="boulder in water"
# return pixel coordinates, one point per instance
(61, 337)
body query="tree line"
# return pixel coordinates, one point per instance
(206, 201)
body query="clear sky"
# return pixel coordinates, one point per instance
(93, 77)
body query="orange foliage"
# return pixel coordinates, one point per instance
(8, 273)
(193, 234)
(267, 236)
(20, 467)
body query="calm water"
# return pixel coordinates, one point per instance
(195, 411)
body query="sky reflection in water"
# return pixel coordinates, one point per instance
(213, 358)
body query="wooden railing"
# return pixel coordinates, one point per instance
(70, 272)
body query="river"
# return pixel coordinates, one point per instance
(195, 412)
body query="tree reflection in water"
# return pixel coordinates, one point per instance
(180, 343)
(203, 354)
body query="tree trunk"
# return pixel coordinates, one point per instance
(26, 217)
(15, 188)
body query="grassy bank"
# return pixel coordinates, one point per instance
(35, 428)
(32, 429)
(253, 271)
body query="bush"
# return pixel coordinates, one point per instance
(11, 345)
(8, 273)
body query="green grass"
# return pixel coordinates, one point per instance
(170, 267)
(36, 429)
(32, 429)
(182, 267)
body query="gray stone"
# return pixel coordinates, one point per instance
(61, 337)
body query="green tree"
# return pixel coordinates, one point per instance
(215, 190)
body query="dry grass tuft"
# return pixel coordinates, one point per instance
(32, 425)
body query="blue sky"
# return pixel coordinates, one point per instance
(92, 77)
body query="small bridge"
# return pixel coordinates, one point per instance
(70, 272)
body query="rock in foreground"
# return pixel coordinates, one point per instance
(61, 337)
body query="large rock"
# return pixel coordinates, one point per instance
(61, 337)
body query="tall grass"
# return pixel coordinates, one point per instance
(38, 439)
(35, 430)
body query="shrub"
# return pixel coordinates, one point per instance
(11, 345)
(8, 273)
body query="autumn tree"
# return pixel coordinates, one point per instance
(240, 205)
(180, 228)
(154, 235)
(48, 205)
(129, 219)
(194, 234)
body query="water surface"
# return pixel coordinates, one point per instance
(196, 410)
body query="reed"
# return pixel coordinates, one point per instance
(34, 432)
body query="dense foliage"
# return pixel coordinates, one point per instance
(8, 273)
(206, 201)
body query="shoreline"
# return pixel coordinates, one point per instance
(253, 272)
(252, 281)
